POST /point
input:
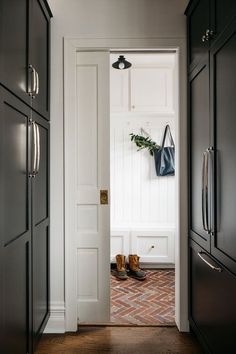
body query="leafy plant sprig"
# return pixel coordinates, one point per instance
(144, 143)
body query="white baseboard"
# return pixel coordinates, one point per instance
(56, 322)
(157, 266)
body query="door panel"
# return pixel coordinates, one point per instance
(15, 225)
(15, 197)
(224, 71)
(199, 142)
(15, 298)
(39, 47)
(40, 232)
(13, 46)
(40, 277)
(212, 307)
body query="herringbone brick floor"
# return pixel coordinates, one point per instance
(148, 302)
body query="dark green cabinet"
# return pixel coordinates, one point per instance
(24, 173)
(39, 54)
(199, 137)
(14, 47)
(223, 58)
(25, 51)
(212, 307)
(40, 232)
(15, 225)
(212, 170)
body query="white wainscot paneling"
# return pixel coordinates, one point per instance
(138, 197)
(153, 246)
(120, 243)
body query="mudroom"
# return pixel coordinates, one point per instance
(143, 111)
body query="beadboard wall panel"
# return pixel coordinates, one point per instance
(138, 196)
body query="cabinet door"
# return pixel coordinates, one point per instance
(40, 231)
(15, 226)
(13, 46)
(198, 24)
(151, 88)
(212, 305)
(39, 58)
(199, 141)
(223, 59)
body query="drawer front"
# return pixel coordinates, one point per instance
(212, 308)
(153, 246)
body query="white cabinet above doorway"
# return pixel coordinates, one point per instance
(148, 86)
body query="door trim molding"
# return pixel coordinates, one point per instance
(71, 46)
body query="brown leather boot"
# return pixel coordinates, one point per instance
(135, 271)
(120, 265)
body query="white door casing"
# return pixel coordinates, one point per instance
(71, 46)
(86, 173)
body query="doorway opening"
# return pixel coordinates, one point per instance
(143, 101)
(87, 139)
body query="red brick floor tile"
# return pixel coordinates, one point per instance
(148, 302)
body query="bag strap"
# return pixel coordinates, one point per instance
(167, 129)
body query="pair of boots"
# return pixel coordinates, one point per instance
(134, 270)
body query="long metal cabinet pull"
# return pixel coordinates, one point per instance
(34, 160)
(33, 86)
(207, 191)
(37, 84)
(203, 190)
(217, 269)
(38, 149)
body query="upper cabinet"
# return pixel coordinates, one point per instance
(199, 30)
(207, 19)
(13, 47)
(146, 87)
(38, 56)
(24, 51)
(222, 14)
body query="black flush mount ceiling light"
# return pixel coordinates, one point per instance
(121, 63)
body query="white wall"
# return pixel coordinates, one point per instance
(93, 19)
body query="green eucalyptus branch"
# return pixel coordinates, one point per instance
(144, 143)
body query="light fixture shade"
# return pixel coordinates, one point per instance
(121, 63)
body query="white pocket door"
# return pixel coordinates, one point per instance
(87, 189)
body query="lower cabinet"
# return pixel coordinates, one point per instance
(15, 226)
(40, 232)
(153, 246)
(24, 225)
(212, 307)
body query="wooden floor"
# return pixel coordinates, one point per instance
(120, 340)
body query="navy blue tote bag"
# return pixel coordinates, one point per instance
(165, 156)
